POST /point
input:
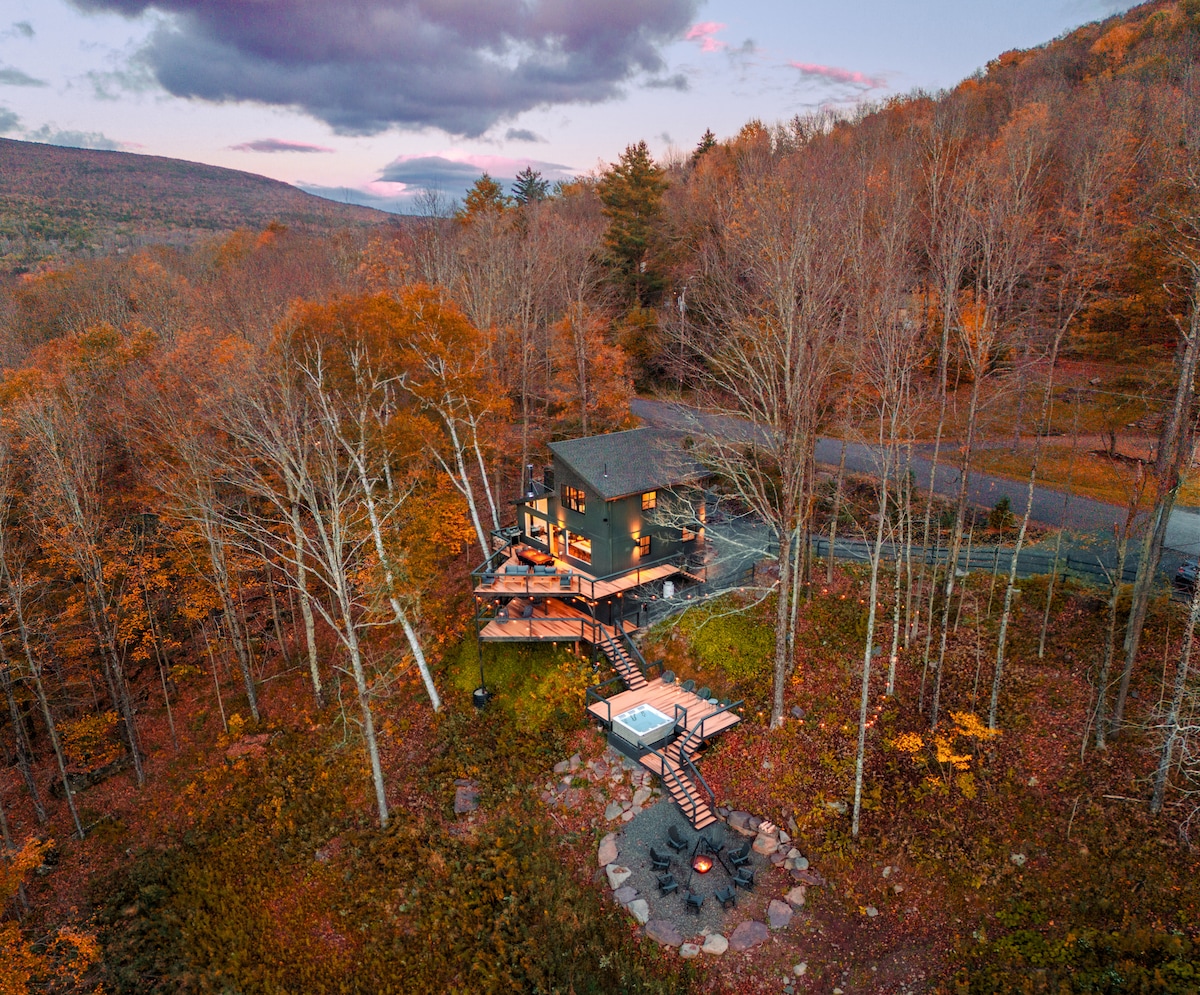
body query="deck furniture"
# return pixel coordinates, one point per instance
(667, 884)
(668, 677)
(544, 570)
(516, 569)
(527, 611)
(564, 581)
(688, 685)
(694, 902)
(744, 878)
(704, 693)
(502, 614)
(741, 855)
(658, 861)
(727, 896)
(711, 843)
(534, 557)
(675, 840)
(488, 579)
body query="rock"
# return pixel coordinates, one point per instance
(766, 845)
(839, 806)
(639, 908)
(547, 798)
(808, 876)
(784, 837)
(465, 800)
(562, 767)
(715, 944)
(617, 875)
(607, 854)
(800, 863)
(640, 797)
(689, 950)
(661, 931)
(796, 896)
(872, 912)
(1018, 859)
(749, 934)
(792, 827)
(628, 816)
(800, 969)
(897, 888)
(767, 765)
(722, 813)
(575, 762)
(768, 828)
(572, 798)
(740, 821)
(753, 823)
(625, 894)
(779, 914)
(612, 811)
(777, 858)
(798, 712)
(887, 871)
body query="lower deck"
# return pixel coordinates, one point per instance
(547, 620)
(705, 715)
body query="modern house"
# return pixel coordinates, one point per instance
(614, 520)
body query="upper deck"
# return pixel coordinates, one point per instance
(506, 573)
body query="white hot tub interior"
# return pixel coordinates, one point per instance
(643, 722)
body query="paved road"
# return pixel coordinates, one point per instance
(1049, 508)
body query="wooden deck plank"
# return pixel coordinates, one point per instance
(582, 583)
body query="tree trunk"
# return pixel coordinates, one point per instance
(23, 751)
(1171, 734)
(782, 619)
(837, 509)
(1111, 638)
(306, 613)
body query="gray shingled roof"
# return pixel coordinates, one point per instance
(632, 462)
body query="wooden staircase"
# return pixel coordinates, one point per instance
(623, 662)
(669, 765)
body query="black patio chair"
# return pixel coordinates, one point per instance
(694, 902)
(741, 855)
(713, 842)
(704, 693)
(727, 897)
(527, 611)
(688, 685)
(667, 884)
(744, 878)
(675, 841)
(658, 861)
(668, 677)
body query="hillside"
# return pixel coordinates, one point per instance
(61, 203)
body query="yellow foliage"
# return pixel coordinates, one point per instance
(909, 742)
(89, 742)
(970, 725)
(944, 745)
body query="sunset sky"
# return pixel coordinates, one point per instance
(373, 100)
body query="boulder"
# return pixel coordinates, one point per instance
(617, 875)
(562, 767)
(779, 914)
(661, 931)
(747, 935)
(796, 896)
(808, 876)
(689, 950)
(639, 908)
(640, 797)
(607, 854)
(715, 944)
(800, 969)
(872, 912)
(575, 762)
(625, 894)
(765, 845)
(466, 799)
(613, 811)
(740, 821)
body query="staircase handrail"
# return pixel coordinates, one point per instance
(690, 766)
(638, 659)
(667, 768)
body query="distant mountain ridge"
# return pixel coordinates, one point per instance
(60, 203)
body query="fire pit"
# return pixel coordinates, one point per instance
(702, 863)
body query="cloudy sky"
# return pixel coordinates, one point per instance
(374, 100)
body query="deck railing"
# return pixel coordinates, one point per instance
(593, 694)
(671, 777)
(581, 584)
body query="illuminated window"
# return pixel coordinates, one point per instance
(644, 546)
(688, 534)
(574, 498)
(649, 500)
(579, 548)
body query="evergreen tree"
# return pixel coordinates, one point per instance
(631, 192)
(529, 187)
(707, 141)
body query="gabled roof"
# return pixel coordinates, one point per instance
(632, 462)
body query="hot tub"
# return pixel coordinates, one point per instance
(643, 724)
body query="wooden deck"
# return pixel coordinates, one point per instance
(581, 584)
(553, 620)
(665, 697)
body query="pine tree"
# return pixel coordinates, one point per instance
(707, 141)
(529, 187)
(631, 192)
(485, 197)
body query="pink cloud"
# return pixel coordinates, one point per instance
(704, 33)
(277, 145)
(835, 74)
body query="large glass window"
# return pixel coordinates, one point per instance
(649, 500)
(644, 546)
(574, 498)
(579, 547)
